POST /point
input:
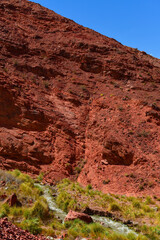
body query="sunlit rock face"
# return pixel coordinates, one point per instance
(74, 103)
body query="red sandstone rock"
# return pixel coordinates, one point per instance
(12, 200)
(72, 215)
(3, 196)
(71, 97)
(2, 183)
(64, 235)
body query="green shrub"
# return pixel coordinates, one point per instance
(73, 232)
(57, 225)
(26, 189)
(16, 173)
(149, 200)
(136, 204)
(77, 228)
(16, 211)
(63, 200)
(108, 198)
(27, 213)
(3, 214)
(38, 190)
(64, 183)
(140, 237)
(48, 232)
(68, 224)
(116, 236)
(131, 236)
(40, 177)
(40, 209)
(4, 210)
(147, 208)
(89, 187)
(78, 169)
(26, 178)
(32, 225)
(72, 205)
(97, 229)
(114, 207)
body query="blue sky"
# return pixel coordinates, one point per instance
(134, 23)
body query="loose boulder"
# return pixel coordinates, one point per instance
(13, 200)
(72, 215)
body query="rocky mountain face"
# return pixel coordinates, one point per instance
(74, 103)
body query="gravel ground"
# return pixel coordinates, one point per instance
(8, 231)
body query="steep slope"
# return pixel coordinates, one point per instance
(10, 231)
(74, 103)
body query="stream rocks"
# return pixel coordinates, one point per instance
(72, 215)
(91, 211)
(111, 215)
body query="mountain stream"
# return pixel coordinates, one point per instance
(107, 222)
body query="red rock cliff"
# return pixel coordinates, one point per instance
(76, 103)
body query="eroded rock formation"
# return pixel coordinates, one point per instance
(74, 103)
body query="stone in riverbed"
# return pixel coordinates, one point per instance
(72, 215)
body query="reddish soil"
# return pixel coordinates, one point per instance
(11, 232)
(74, 103)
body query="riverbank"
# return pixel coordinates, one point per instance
(43, 209)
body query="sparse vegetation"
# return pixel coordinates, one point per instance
(36, 217)
(143, 134)
(34, 212)
(114, 207)
(83, 87)
(120, 108)
(40, 177)
(46, 84)
(139, 209)
(106, 181)
(16, 63)
(80, 166)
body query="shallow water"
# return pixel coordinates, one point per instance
(52, 204)
(116, 226)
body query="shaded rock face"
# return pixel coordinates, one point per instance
(74, 103)
(72, 215)
(2, 197)
(13, 201)
(98, 212)
(117, 154)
